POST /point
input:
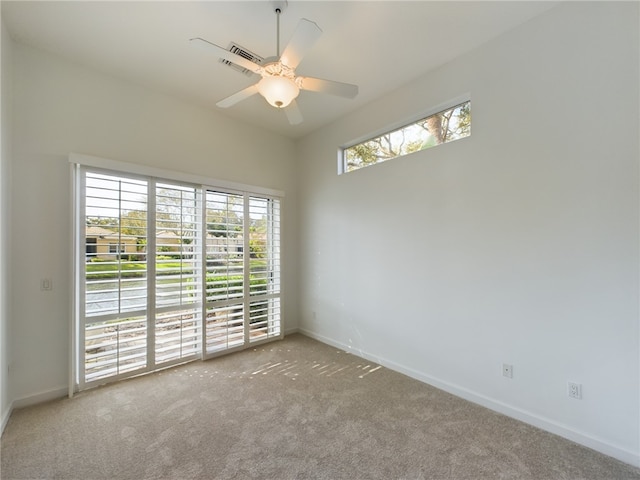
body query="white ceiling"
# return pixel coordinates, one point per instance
(377, 45)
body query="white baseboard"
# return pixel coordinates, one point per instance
(5, 418)
(291, 331)
(40, 397)
(31, 400)
(543, 423)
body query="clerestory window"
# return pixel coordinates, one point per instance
(442, 127)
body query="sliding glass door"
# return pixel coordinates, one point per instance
(243, 270)
(115, 270)
(225, 267)
(170, 272)
(177, 277)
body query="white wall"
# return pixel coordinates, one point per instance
(516, 245)
(61, 108)
(5, 215)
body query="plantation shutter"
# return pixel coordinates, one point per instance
(169, 272)
(178, 282)
(225, 314)
(115, 287)
(264, 247)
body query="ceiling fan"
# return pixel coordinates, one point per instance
(279, 84)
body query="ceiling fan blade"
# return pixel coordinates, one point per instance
(305, 35)
(238, 96)
(226, 54)
(293, 113)
(328, 86)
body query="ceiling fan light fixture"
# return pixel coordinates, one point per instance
(279, 84)
(278, 91)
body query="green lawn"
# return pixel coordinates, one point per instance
(108, 270)
(104, 270)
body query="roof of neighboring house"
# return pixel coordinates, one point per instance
(95, 231)
(167, 233)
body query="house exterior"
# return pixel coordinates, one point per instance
(168, 241)
(106, 244)
(223, 246)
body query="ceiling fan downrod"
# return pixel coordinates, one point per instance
(278, 7)
(278, 12)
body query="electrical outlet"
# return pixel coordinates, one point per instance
(574, 390)
(46, 284)
(507, 370)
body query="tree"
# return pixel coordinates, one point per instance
(258, 238)
(361, 155)
(379, 149)
(430, 131)
(448, 125)
(134, 222)
(223, 219)
(224, 224)
(104, 222)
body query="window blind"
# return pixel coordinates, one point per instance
(169, 272)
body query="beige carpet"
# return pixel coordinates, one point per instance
(291, 409)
